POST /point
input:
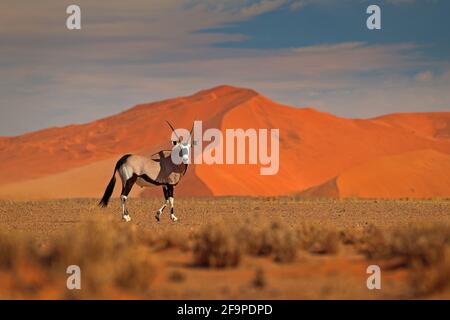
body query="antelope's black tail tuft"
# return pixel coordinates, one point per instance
(110, 188)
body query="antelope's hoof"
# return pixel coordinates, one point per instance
(157, 216)
(174, 219)
(126, 218)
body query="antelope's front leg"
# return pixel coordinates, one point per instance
(172, 215)
(160, 211)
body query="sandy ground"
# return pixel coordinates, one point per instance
(310, 276)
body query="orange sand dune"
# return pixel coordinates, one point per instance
(56, 150)
(315, 147)
(417, 174)
(432, 124)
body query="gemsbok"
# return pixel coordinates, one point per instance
(145, 172)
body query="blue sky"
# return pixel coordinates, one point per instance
(304, 53)
(423, 22)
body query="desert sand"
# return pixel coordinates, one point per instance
(226, 247)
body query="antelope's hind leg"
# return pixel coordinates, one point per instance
(124, 196)
(166, 197)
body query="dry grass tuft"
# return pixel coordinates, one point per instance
(168, 240)
(107, 253)
(282, 241)
(425, 281)
(9, 243)
(420, 245)
(215, 245)
(177, 276)
(423, 248)
(270, 238)
(264, 238)
(135, 272)
(371, 242)
(318, 238)
(259, 281)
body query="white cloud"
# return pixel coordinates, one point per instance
(136, 51)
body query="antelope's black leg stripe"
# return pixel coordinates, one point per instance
(170, 190)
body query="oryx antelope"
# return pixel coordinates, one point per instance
(145, 172)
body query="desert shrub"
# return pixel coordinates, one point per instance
(135, 271)
(280, 240)
(417, 245)
(271, 238)
(250, 238)
(424, 281)
(423, 248)
(108, 254)
(351, 236)
(285, 249)
(259, 281)
(176, 276)
(372, 242)
(162, 239)
(167, 240)
(8, 250)
(318, 238)
(215, 245)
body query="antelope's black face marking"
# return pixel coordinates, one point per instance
(183, 151)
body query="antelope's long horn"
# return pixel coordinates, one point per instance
(171, 127)
(190, 133)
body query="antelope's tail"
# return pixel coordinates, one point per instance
(110, 187)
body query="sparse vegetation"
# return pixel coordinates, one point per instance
(167, 240)
(216, 246)
(318, 238)
(259, 281)
(425, 281)
(269, 238)
(219, 248)
(9, 243)
(421, 245)
(177, 276)
(107, 253)
(423, 248)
